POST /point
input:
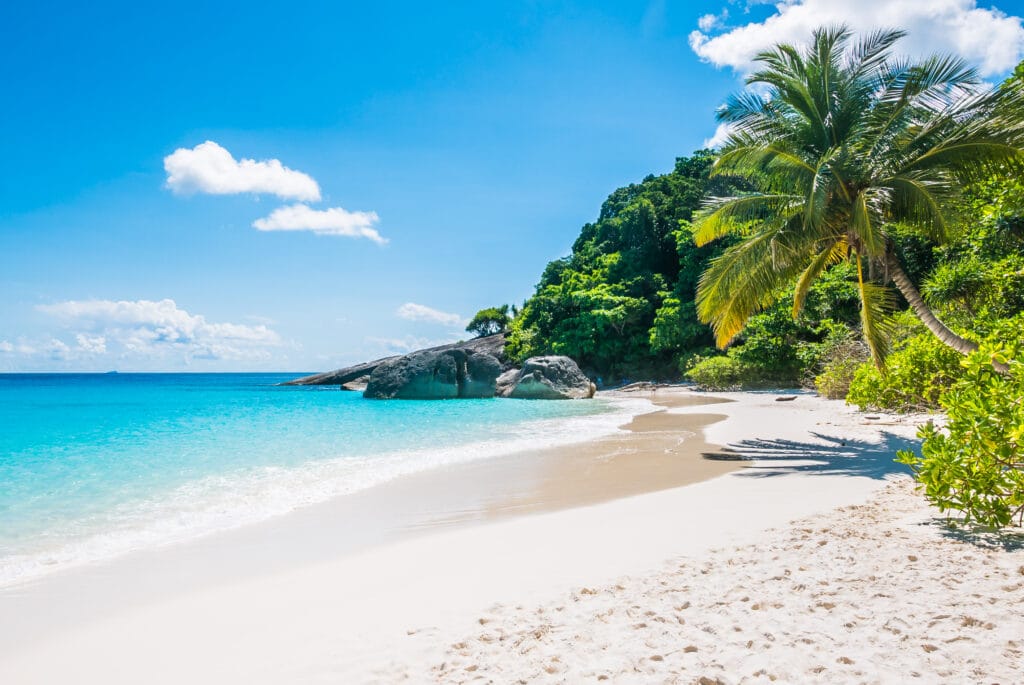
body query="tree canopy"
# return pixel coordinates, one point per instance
(622, 302)
(844, 143)
(489, 321)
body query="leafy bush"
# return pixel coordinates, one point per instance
(839, 362)
(976, 466)
(723, 372)
(834, 381)
(770, 345)
(916, 375)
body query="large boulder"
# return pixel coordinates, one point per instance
(493, 345)
(480, 376)
(357, 385)
(550, 378)
(506, 382)
(435, 375)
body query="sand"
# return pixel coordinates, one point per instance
(870, 593)
(647, 583)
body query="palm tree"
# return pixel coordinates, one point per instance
(842, 141)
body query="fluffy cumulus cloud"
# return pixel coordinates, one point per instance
(57, 350)
(420, 312)
(209, 168)
(91, 344)
(987, 37)
(333, 221)
(19, 348)
(719, 137)
(155, 329)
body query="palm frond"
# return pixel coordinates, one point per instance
(817, 194)
(779, 166)
(871, 50)
(919, 199)
(831, 254)
(877, 306)
(745, 279)
(866, 225)
(722, 216)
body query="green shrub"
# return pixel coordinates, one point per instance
(834, 381)
(769, 346)
(916, 375)
(723, 372)
(976, 465)
(835, 360)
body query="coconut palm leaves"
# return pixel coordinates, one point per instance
(842, 140)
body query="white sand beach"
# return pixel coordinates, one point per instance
(813, 561)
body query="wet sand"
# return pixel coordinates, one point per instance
(654, 451)
(385, 585)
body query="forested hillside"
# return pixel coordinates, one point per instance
(622, 303)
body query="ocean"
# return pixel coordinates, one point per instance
(97, 465)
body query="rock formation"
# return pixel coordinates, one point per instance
(357, 385)
(506, 382)
(546, 378)
(473, 369)
(493, 345)
(433, 375)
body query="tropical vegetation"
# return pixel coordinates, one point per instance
(846, 146)
(490, 321)
(861, 232)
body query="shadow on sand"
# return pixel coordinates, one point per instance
(1008, 540)
(833, 456)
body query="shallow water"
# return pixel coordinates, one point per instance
(95, 465)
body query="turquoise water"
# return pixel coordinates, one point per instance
(96, 465)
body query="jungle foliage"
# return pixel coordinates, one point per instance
(860, 232)
(622, 303)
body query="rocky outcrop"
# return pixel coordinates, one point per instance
(482, 371)
(506, 382)
(471, 369)
(547, 378)
(435, 375)
(493, 345)
(341, 376)
(357, 385)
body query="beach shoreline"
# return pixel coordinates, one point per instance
(322, 612)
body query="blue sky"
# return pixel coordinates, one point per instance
(480, 136)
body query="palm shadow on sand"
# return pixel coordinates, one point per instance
(831, 456)
(836, 456)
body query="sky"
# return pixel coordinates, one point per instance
(224, 187)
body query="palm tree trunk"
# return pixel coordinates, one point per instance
(921, 310)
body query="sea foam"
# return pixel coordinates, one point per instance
(236, 491)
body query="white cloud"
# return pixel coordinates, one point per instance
(719, 137)
(149, 328)
(420, 312)
(209, 168)
(987, 38)
(333, 221)
(91, 344)
(57, 350)
(20, 347)
(712, 21)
